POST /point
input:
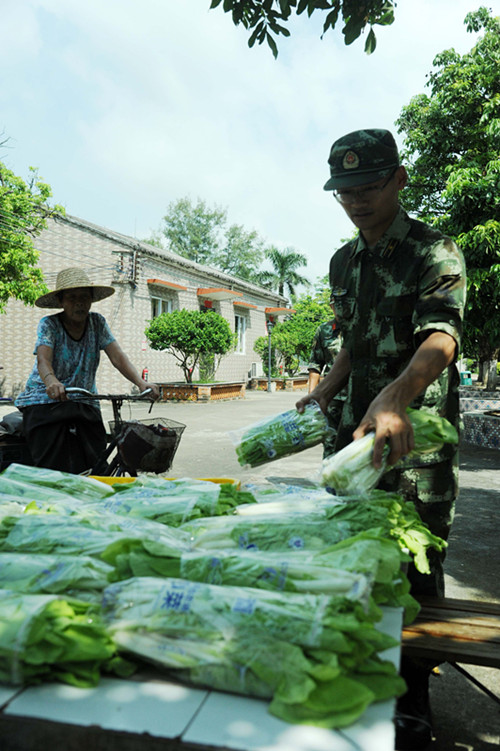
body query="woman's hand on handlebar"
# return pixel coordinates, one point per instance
(56, 391)
(150, 390)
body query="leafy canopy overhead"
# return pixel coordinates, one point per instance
(200, 232)
(452, 147)
(266, 19)
(23, 214)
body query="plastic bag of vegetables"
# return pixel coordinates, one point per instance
(43, 637)
(38, 483)
(316, 657)
(297, 571)
(131, 546)
(174, 502)
(350, 472)
(79, 576)
(279, 436)
(381, 513)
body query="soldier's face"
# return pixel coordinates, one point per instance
(372, 207)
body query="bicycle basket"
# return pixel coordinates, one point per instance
(149, 445)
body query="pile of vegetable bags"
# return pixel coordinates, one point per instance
(270, 592)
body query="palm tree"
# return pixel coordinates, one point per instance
(284, 275)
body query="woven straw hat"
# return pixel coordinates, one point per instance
(73, 279)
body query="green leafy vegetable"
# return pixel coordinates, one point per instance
(76, 576)
(313, 527)
(289, 647)
(50, 483)
(291, 572)
(131, 546)
(281, 435)
(46, 638)
(306, 530)
(174, 502)
(350, 471)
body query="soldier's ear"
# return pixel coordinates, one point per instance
(401, 177)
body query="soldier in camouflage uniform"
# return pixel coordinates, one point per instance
(399, 292)
(327, 343)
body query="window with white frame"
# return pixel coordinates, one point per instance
(160, 305)
(240, 327)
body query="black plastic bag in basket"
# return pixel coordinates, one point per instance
(150, 448)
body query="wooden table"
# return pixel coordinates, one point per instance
(451, 630)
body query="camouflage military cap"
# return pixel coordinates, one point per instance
(361, 157)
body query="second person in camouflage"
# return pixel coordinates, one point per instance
(326, 345)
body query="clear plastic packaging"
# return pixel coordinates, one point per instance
(281, 435)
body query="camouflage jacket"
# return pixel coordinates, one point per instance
(411, 282)
(326, 345)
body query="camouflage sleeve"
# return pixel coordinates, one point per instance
(442, 289)
(317, 358)
(335, 346)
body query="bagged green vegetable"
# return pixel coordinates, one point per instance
(174, 502)
(39, 483)
(203, 610)
(132, 547)
(81, 577)
(46, 638)
(279, 436)
(351, 472)
(297, 530)
(294, 649)
(270, 492)
(291, 572)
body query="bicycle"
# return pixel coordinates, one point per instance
(13, 446)
(146, 445)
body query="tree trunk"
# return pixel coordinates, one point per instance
(491, 375)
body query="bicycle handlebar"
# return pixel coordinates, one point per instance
(75, 391)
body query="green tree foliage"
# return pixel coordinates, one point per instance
(266, 19)
(284, 275)
(189, 334)
(200, 232)
(291, 339)
(452, 145)
(192, 230)
(241, 254)
(23, 214)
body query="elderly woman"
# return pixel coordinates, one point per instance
(62, 434)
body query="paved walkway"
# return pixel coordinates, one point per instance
(465, 718)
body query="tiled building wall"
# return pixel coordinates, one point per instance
(128, 311)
